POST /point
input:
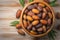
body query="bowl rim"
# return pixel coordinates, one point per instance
(40, 35)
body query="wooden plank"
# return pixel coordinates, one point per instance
(5, 23)
(9, 3)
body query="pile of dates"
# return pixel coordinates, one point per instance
(37, 18)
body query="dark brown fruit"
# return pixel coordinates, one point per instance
(43, 15)
(39, 8)
(18, 26)
(18, 14)
(30, 13)
(49, 21)
(43, 21)
(35, 22)
(35, 17)
(47, 8)
(44, 28)
(40, 15)
(21, 32)
(58, 27)
(25, 23)
(57, 15)
(44, 10)
(26, 11)
(40, 29)
(33, 32)
(50, 15)
(24, 16)
(39, 25)
(29, 27)
(30, 7)
(33, 28)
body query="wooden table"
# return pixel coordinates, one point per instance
(8, 9)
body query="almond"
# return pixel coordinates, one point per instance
(43, 21)
(36, 11)
(35, 22)
(29, 18)
(18, 14)
(35, 17)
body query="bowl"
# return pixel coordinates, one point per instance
(40, 35)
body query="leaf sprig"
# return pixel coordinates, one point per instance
(22, 2)
(52, 35)
(14, 23)
(31, 0)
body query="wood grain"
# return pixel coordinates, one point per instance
(8, 9)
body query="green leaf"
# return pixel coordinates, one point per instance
(52, 4)
(52, 34)
(22, 2)
(14, 23)
(53, 1)
(30, 0)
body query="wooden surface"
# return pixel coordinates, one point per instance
(8, 9)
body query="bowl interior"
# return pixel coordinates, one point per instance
(40, 35)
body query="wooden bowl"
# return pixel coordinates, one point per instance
(40, 35)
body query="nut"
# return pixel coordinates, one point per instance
(25, 23)
(24, 16)
(18, 14)
(36, 11)
(32, 32)
(18, 26)
(29, 18)
(43, 21)
(50, 15)
(43, 15)
(35, 22)
(44, 28)
(21, 32)
(35, 17)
